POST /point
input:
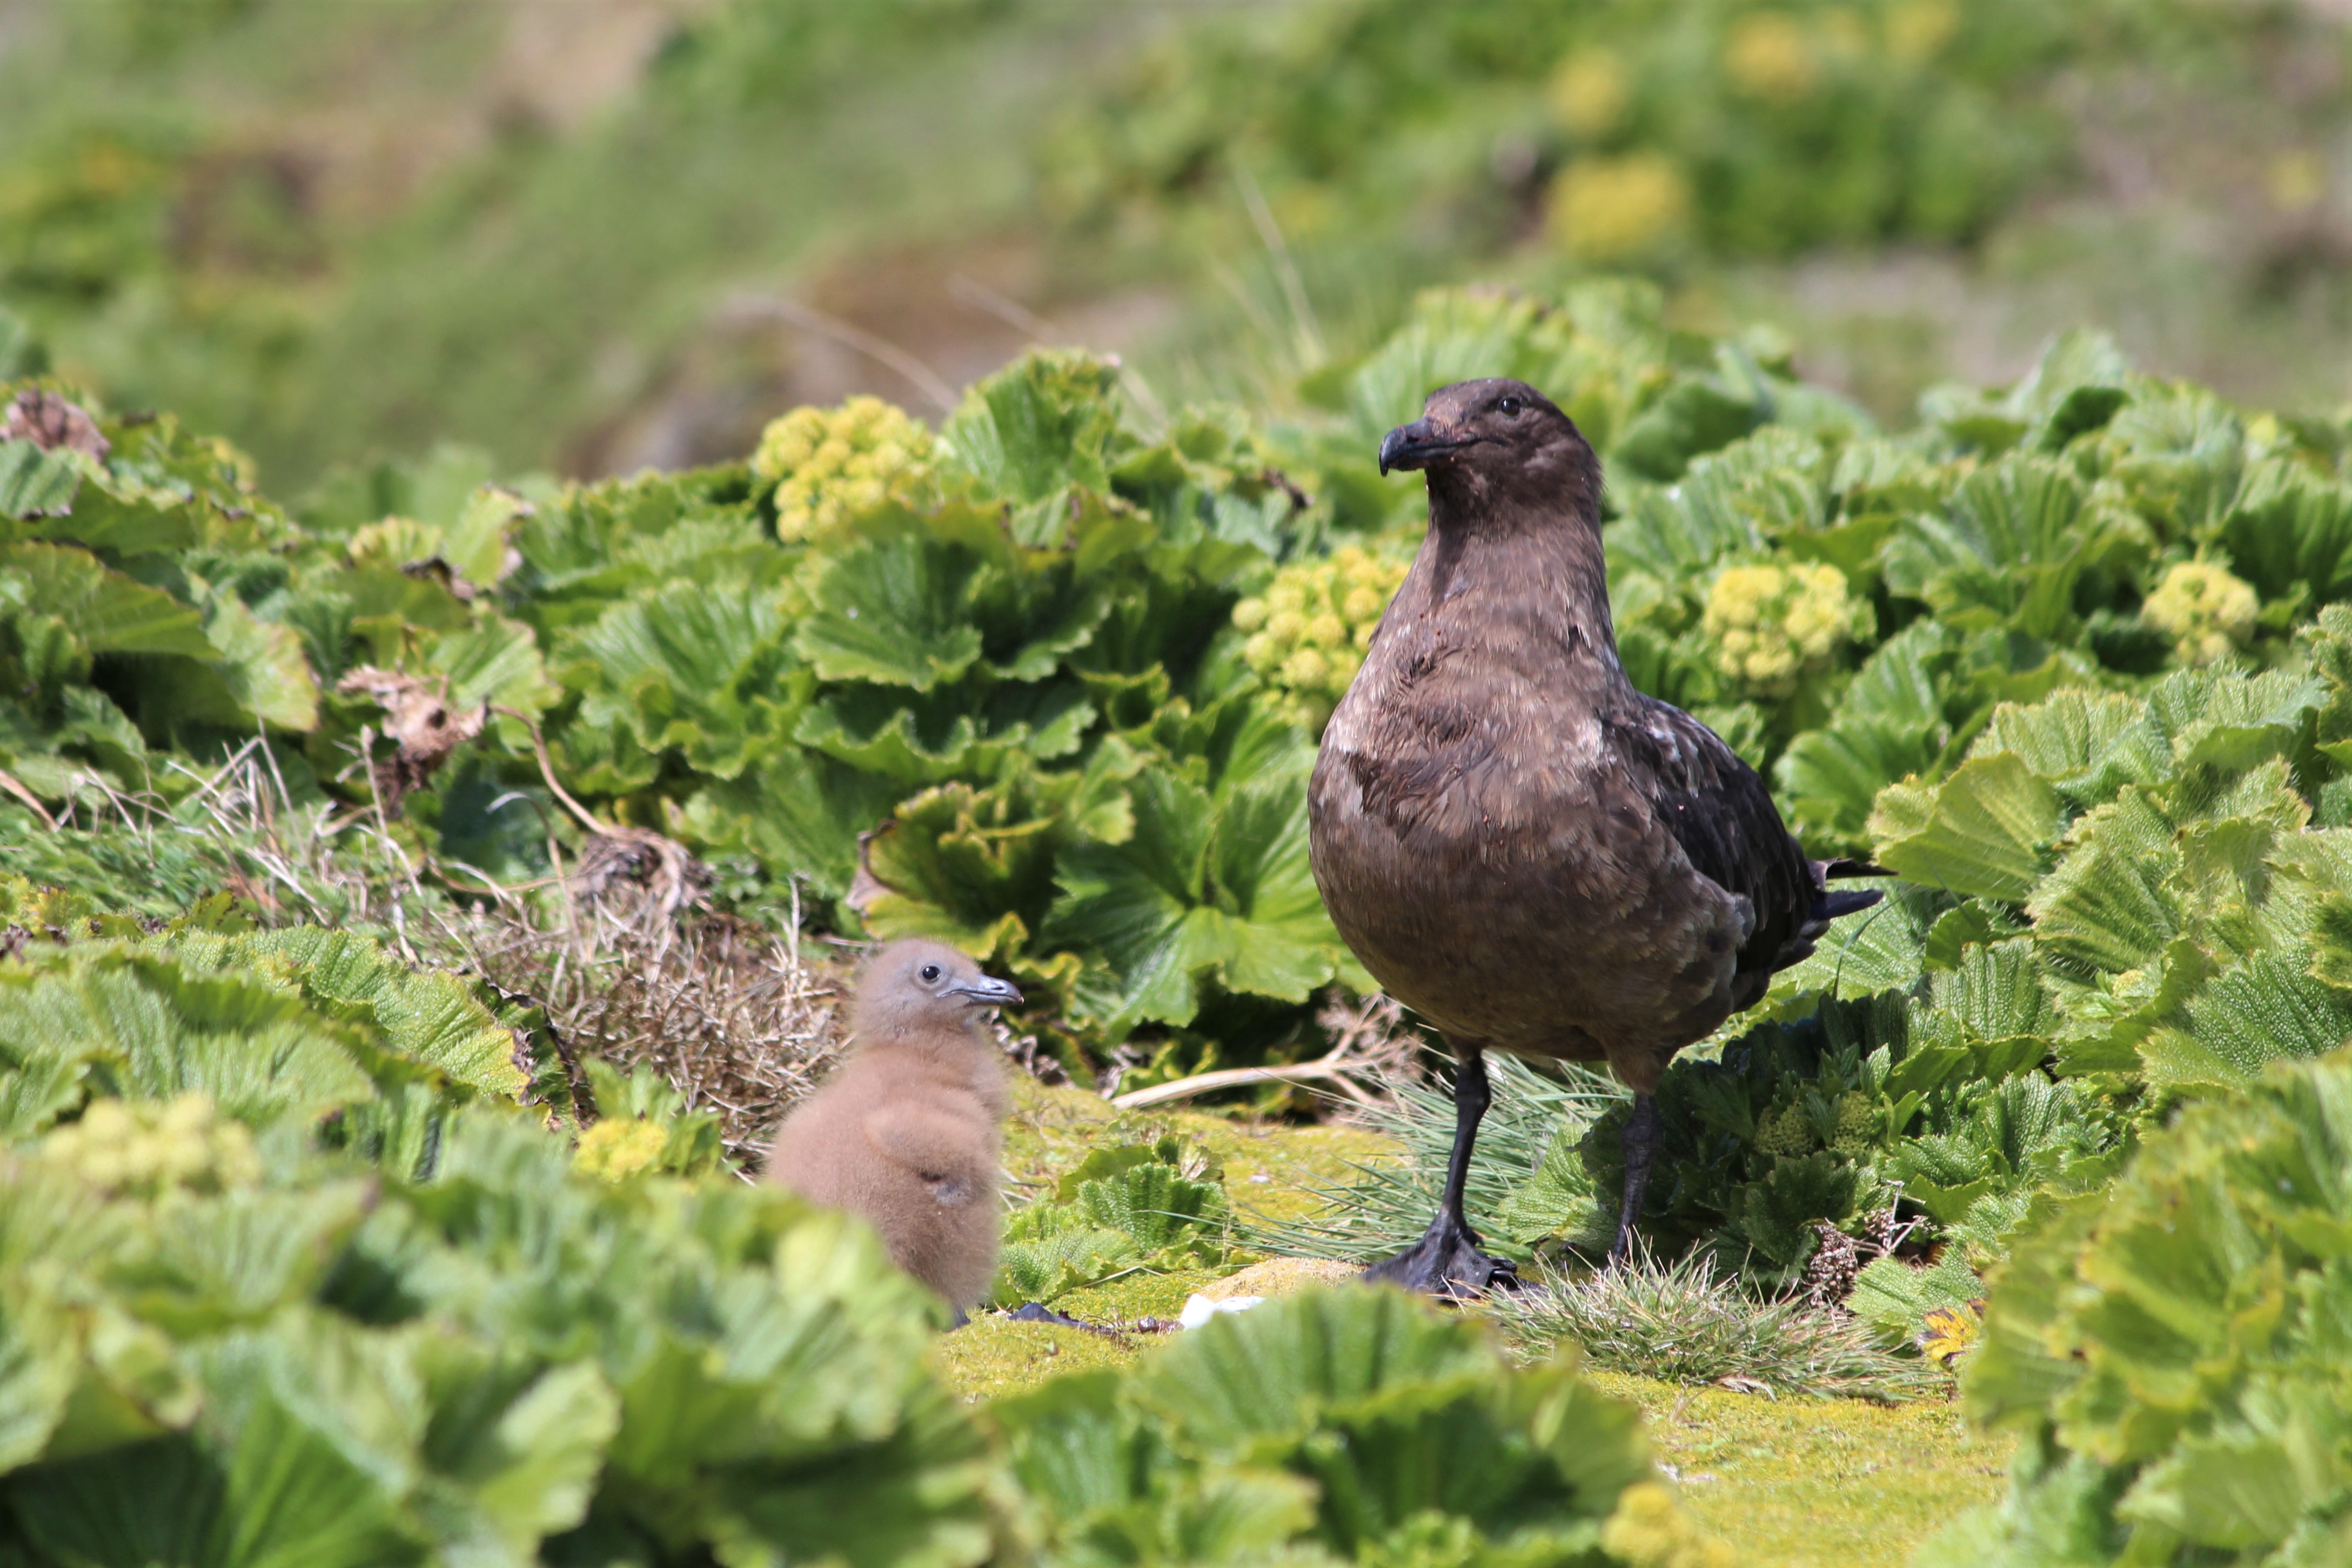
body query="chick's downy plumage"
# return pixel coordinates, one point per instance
(907, 1131)
(1523, 849)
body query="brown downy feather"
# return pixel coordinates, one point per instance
(907, 1131)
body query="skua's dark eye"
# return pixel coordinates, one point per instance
(1509, 406)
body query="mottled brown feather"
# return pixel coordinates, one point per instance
(1518, 844)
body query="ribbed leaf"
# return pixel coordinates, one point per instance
(164, 1031)
(2263, 1009)
(2111, 902)
(1985, 831)
(1046, 421)
(1204, 888)
(35, 483)
(701, 668)
(1239, 1382)
(2233, 722)
(263, 667)
(431, 1018)
(2088, 744)
(2292, 529)
(109, 612)
(797, 813)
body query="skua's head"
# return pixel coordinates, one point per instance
(1498, 441)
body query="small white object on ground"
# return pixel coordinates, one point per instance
(1199, 1310)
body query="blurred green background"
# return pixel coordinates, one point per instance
(587, 236)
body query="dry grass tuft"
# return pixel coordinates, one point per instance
(742, 1021)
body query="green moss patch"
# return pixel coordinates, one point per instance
(1791, 1482)
(992, 1356)
(1794, 1483)
(1270, 1167)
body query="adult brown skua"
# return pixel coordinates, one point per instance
(1520, 847)
(907, 1131)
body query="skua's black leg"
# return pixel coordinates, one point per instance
(1447, 1260)
(1641, 1148)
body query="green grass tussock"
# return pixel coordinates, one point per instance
(1682, 1322)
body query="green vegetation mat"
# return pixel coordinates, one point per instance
(1796, 1483)
(1789, 1482)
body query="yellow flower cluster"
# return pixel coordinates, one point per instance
(620, 1147)
(1610, 209)
(1590, 90)
(1650, 1528)
(126, 1146)
(2203, 609)
(1770, 626)
(1309, 630)
(830, 464)
(1918, 31)
(1770, 54)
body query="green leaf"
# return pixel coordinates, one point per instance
(264, 666)
(432, 1017)
(165, 1030)
(976, 730)
(497, 661)
(1892, 1296)
(1051, 1263)
(1984, 832)
(37, 1373)
(1242, 1379)
(2088, 744)
(2111, 904)
(1046, 421)
(108, 611)
(2173, 1344)
(1205, 887)
(2005, 553)
(1997, 991)
(1889, 726)
(798, 812)
(1697, 414)
(2233, 722)
(1778, 1216)
(2263, 1009)
(2290, 530)
(896, 612)
(2177, 455)
(701, 668)
(319, 1423)
(35, 483)
(1152, 1204)
(527, 1450)
(1867, 951)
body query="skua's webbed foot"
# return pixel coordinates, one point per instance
(1447, 1262)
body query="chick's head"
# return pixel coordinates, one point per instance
(916, 988)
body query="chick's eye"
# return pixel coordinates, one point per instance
(1509, 406)
(930, 973)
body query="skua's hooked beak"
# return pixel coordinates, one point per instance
(1417, 444)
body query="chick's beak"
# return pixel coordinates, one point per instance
(989, 992)
(1415, 444)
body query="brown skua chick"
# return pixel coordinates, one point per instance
(907, 1131)
(1523, 849)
